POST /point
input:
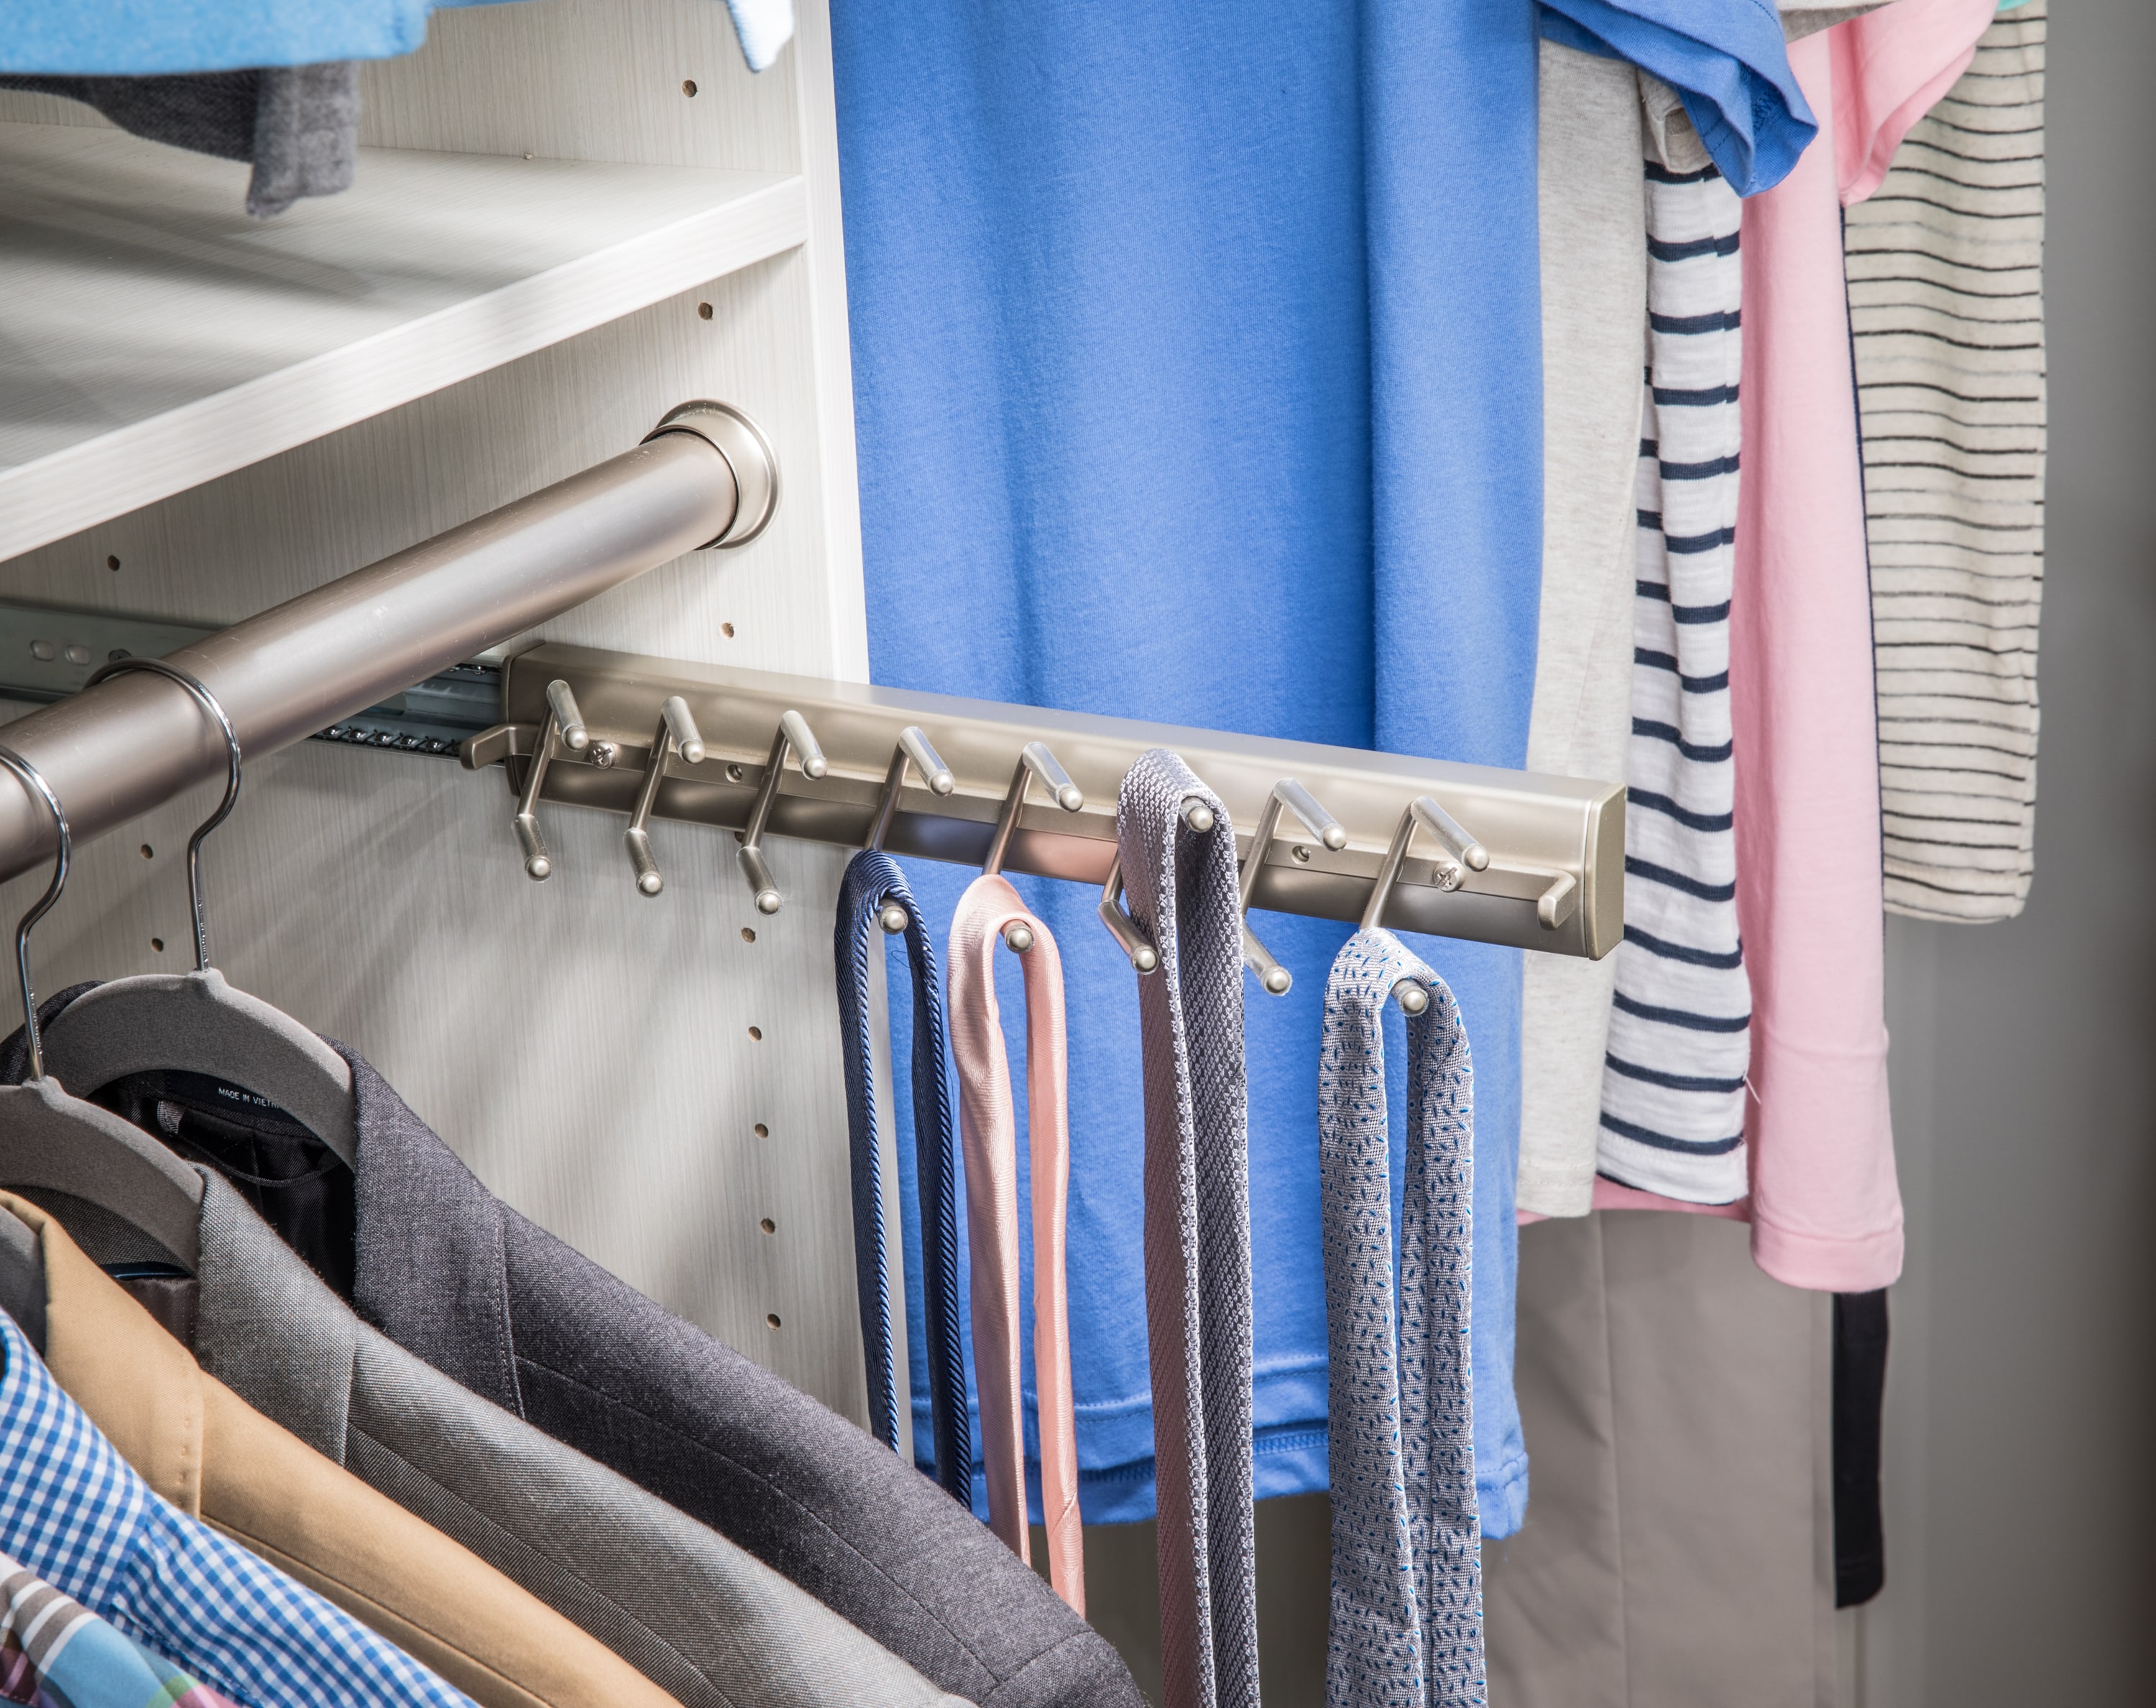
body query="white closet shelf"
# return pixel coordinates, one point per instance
(153, 337)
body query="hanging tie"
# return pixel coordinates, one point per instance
(988, 1124)
(872, 883)
(1407, 1580)
(1181, 887)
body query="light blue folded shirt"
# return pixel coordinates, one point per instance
(144, 38)
(1729, 60)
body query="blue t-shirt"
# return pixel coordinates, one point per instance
(139, 37)
(1729, 60)
(1197, 367)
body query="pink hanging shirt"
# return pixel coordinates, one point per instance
(1824, 1205)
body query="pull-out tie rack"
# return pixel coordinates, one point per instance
(1501, 856)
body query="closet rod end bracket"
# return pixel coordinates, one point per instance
(746, 452)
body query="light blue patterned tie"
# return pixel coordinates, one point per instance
(1407, 1579)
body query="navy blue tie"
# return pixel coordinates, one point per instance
(873, 881)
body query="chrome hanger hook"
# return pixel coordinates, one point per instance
(210, 704)
(32, 1035)
(794, 736)
(1035, 760)
(914, 749)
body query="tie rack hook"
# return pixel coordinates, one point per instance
(677, 729)
(1462, 854)
(1144, 958)
(793, 737)
(913, 749)
(565, 724)
(1033, 760)
(1273, 978)
(1129, 936)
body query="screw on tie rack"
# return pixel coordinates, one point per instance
(1462, 854)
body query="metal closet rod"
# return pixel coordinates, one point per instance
(605, 709)
(129, 745)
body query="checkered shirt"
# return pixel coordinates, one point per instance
(73, 1512)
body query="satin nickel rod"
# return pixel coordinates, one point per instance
(133, 742)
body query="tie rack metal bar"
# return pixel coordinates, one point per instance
(1553, 880)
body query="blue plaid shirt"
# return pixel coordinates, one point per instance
(74, 1512)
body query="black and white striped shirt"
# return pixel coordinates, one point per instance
(1679, 1044)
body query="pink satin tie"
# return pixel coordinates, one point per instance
(987, 1126)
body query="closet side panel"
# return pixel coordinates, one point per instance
(590, 79)
(588, 1050)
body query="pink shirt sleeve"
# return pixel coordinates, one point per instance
(1890, 66)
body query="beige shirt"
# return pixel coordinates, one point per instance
(216, 1458)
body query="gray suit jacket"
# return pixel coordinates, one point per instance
(454, 1276)
(448, 1270)
(706, 1621)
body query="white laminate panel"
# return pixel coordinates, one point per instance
(585, 1049)
(591, 79)
(155, 337)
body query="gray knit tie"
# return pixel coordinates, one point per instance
(1407, 1579)
(1181, 885)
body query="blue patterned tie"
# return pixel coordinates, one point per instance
(872, 881)
(1407, 1580)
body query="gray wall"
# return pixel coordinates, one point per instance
(2021, 1458)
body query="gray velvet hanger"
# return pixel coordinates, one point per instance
(196, 1022)
(52, 1142)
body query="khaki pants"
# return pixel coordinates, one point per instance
(1679, 1548)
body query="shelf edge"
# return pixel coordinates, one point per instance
(153, 460)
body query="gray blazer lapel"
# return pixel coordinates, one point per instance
(286, 1350)
(430, 1270)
